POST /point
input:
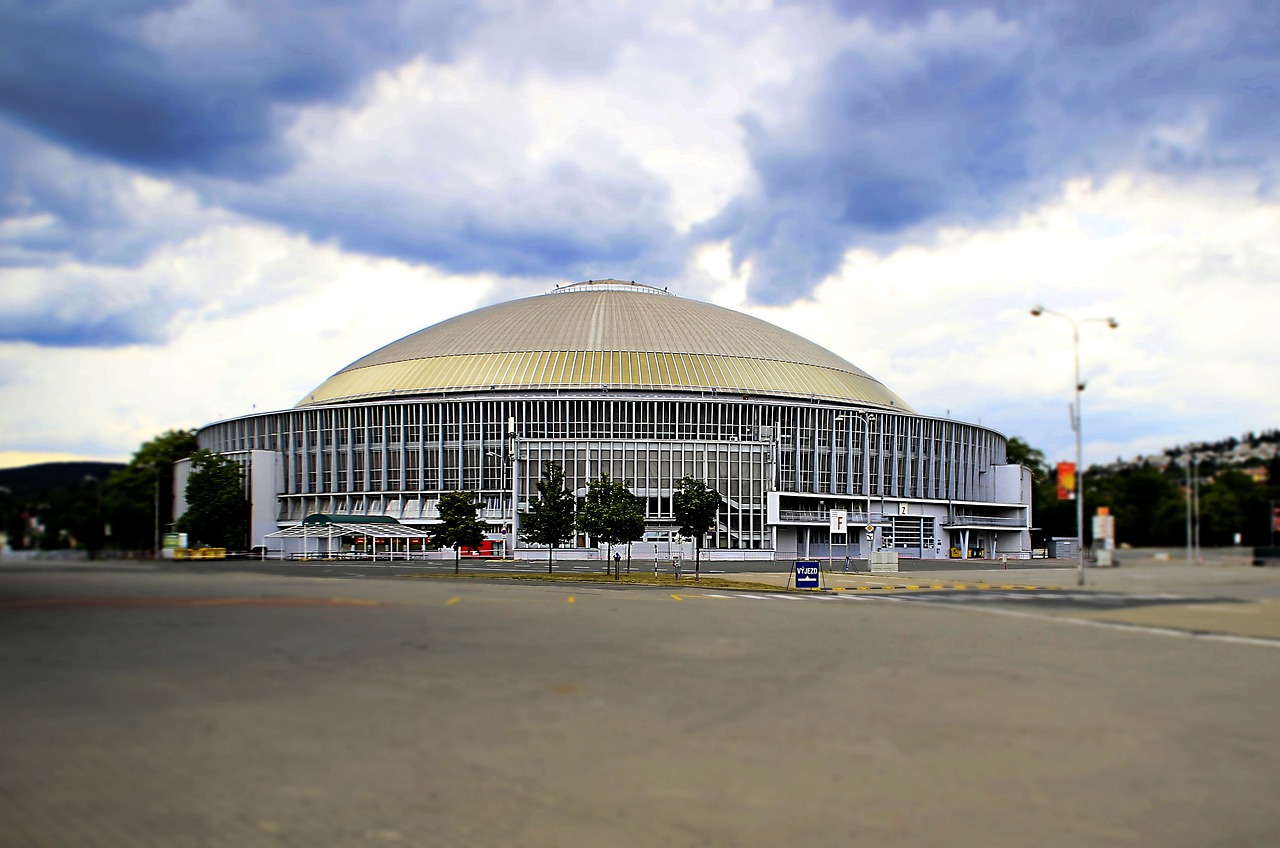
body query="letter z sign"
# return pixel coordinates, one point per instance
(806, 574)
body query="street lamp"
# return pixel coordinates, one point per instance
(1193, 504)
(510, 447)
(513, 445)
(868, 418)
(1037, 311)
(98, 537)
(505, 522)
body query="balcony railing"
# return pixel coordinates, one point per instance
(987, 520)
(823, 517)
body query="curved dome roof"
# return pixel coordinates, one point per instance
(599, 334)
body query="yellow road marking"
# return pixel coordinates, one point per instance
(677, 597)
(571, 599)
(451, 601)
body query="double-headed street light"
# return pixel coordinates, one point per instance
(511, 447)
(868, 418)
(1037, 311)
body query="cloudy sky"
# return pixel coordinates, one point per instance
(208, 206)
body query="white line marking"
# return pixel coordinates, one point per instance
(1107, 625)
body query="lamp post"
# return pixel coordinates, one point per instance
(513, 445)
(868, 418)
(97, 539)
(155, 551)
(506, 526)
(1193, 507)
(1037, 311)
(509, 450)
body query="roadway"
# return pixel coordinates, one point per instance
(346, 705)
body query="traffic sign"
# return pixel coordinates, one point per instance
(807, 574)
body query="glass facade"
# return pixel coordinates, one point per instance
(396, 457)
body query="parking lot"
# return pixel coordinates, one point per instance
(166, 706)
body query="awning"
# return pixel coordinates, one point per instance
(345, 528)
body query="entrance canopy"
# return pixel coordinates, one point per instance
(377, 526)
(371, 530)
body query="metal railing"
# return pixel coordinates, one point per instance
(807, 516)
(992, 521)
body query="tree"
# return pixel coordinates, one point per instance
(550, 519)
(1018, 452)
(459, 526)
(138, 499)
(217, 510)
(610, 513)
(1054, 517)
(696, 506)
(1232, 503)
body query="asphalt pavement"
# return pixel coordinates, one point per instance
(146, 704)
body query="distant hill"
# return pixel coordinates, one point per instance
(45, 476)
(1251, 449)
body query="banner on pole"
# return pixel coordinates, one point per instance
(1066, 481)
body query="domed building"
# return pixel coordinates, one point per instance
(629, 380)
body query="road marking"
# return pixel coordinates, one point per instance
(32, 603)
(452, 601)
(677, 597)
(571, 599)
(1107, 625)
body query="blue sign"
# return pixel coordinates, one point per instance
(807, 574)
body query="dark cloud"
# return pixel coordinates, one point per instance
(202, 96)
(105, 331)
(57, 207)
(81, 313)
(168, 87)
(881, 152)
(959, 129)
(947, 113)
(562, 220)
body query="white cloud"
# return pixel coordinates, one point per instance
(1187, 269)
(281, 315)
